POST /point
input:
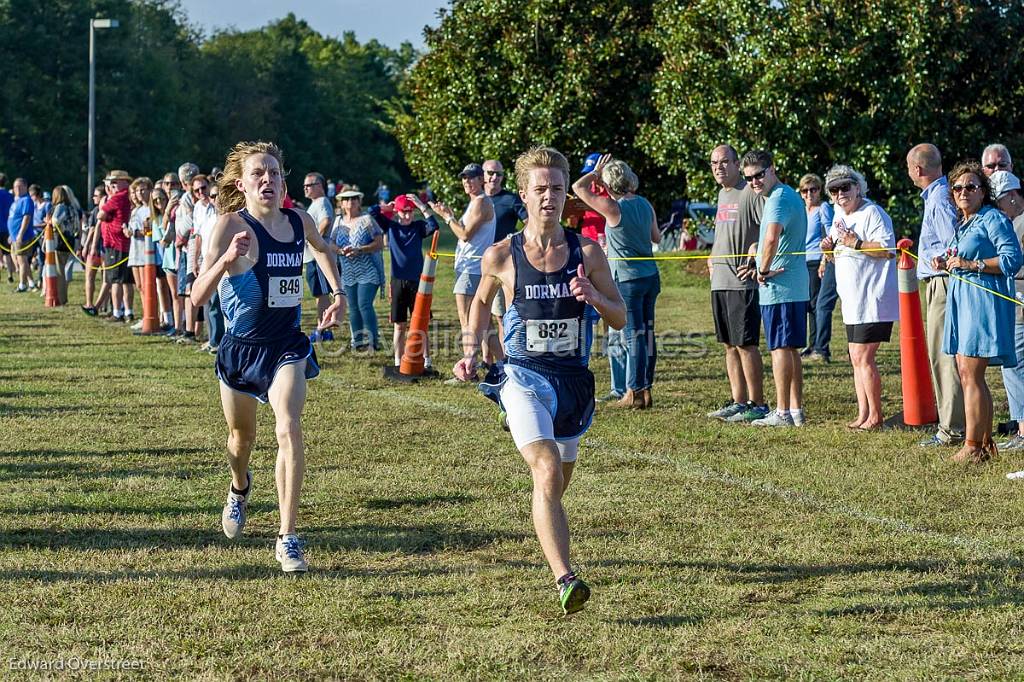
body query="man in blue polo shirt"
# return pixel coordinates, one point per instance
(19, 227)
(783, 285)
(6, 199)
(405, 241)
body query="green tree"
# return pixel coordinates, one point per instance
(503, 75)
(824, 81)
(140, 99)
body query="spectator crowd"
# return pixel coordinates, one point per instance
(782, 257)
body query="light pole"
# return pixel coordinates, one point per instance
(93, 25)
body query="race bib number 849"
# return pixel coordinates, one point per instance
(552, 336)
(284, 292)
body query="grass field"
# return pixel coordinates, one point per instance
(714, 551)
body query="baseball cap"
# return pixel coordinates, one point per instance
(472, 170)
(1002, 182)
(403, 203)
(590, 162)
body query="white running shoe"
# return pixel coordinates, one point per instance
(289, 553)
(798, 417)
(774, 419)
(232, 519)
(137, 326)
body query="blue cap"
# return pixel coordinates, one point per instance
(591, 161)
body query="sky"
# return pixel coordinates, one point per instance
(391, 22)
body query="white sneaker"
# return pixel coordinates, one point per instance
(232, 519)
(289, 552)
(137, 326)
(774, 419)
(798, 417)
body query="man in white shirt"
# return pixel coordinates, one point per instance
(314, 187)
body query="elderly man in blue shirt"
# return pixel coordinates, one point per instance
(924, 166)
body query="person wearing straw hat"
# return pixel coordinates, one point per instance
(114, 215)
(544, 386)
(866, 283)
(983, 255)
(1006, 193)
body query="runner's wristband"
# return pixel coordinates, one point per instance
(338, 293)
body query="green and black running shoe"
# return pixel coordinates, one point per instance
(503, 420)
(573, 593)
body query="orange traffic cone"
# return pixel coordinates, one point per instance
(50, 267)
(416, 341)
(150, 307)
(918, 396)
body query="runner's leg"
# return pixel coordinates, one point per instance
(287, 398)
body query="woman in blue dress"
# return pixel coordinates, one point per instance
(985, 253)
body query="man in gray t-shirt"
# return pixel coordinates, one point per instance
(734, 300)
(314, 187)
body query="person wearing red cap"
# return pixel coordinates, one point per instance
(405, 240)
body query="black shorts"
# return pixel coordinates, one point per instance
(737, 317)
(117, 271)
(316, 281)
(869, 332)
(250, 365)
(403, 299)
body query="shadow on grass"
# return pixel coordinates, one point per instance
(378, 503)
(422, 539)
(63, 470)
(45, 454)
(662, 621)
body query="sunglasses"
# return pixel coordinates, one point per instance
(756, 176)
(497, 173)
(810, 190)
(202, 188)
(970, 188)
(836, 190)
(311, 184)
(998, 164)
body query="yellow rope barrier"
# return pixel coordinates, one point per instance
(698, 256)
(974, 284)
(75, 255)
(24, 248)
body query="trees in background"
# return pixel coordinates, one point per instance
(820, 82)
(166, 95)
(501, 75)
(661, 83)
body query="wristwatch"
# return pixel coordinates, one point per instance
(857, 245)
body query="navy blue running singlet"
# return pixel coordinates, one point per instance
(545, 324)
(265, 302)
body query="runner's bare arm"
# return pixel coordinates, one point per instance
(229, 241)
(598, 287)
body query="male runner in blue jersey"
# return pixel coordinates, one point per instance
(254, 260)
(549, 275)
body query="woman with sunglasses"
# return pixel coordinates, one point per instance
(866, 282)
(819, 220)
(984, 254)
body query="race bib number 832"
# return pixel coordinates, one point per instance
(552, 336)
(284, 292)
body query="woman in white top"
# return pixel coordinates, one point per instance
(866, 281)
(139, 192)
